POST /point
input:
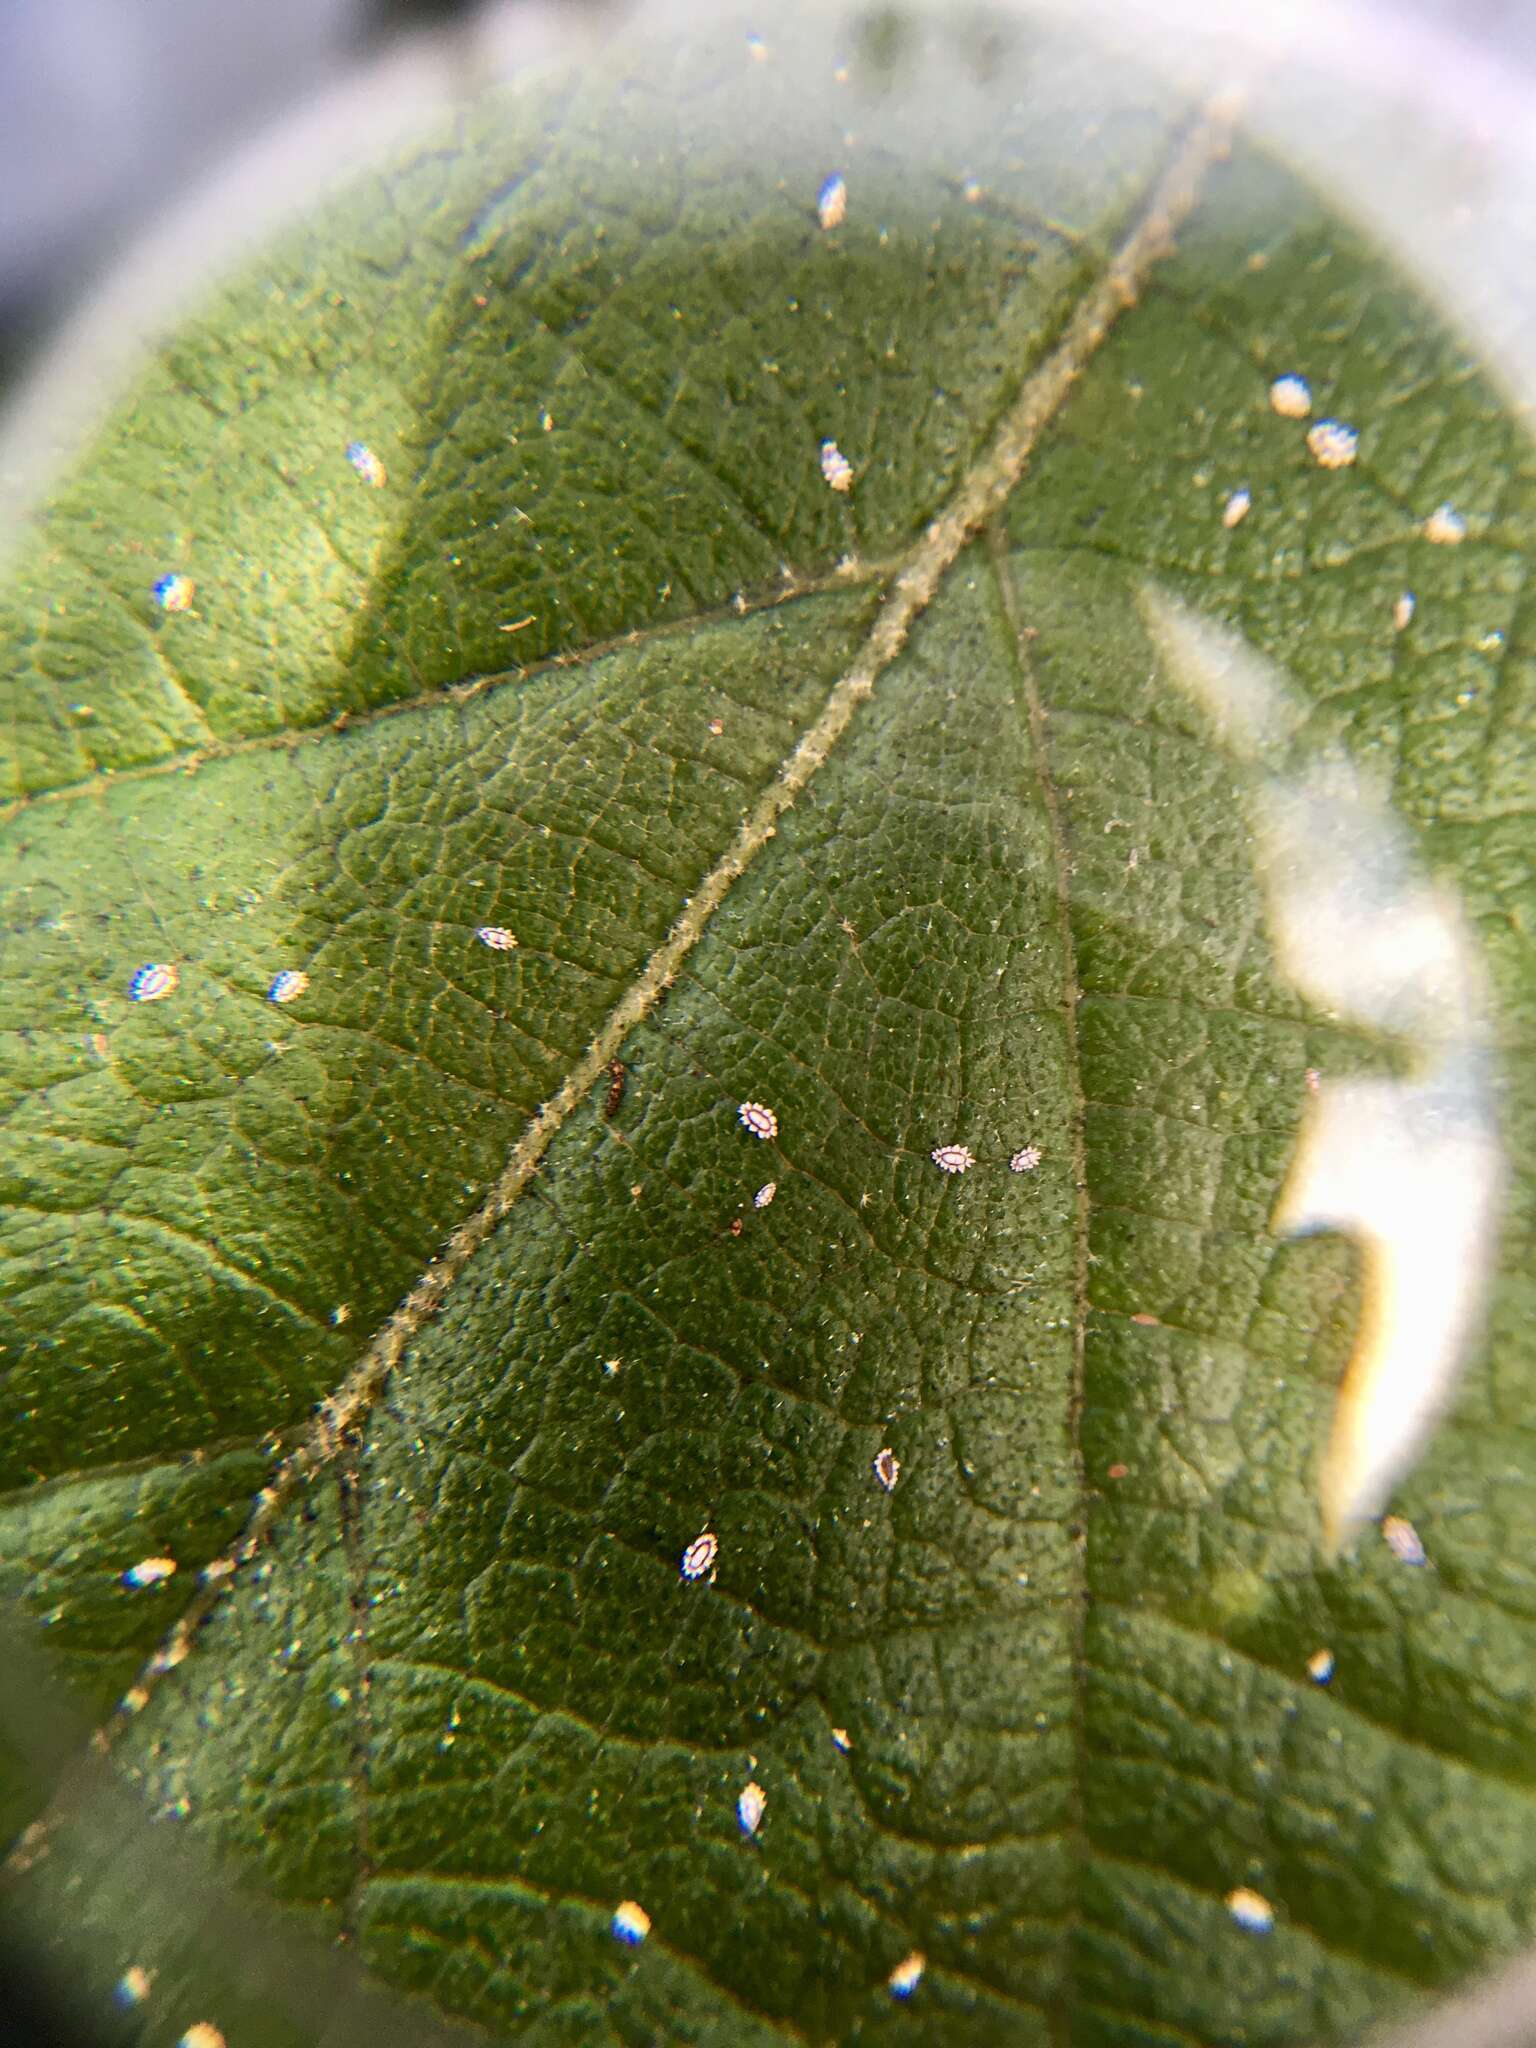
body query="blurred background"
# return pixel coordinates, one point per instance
(110, 109)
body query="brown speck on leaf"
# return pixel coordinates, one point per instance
(887, 1468)
(1118, 1472)
(616, 1077)
(1151, 1322)
(735, 1226)
(717, 726)
(1313, 1079)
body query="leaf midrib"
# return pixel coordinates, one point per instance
(911, 587)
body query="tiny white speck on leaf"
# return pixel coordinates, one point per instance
(1403, 1540)
(887, 1468)
(1235, 511)
(758, 1119)
(1291, 397)
(840, 1738)
(1445, 526)
(202, 2034)
(765, 1194)
(832, 201)
(288, 986)
(1025, 1160)
(1403, 610)
(367, 464)
(836, 467)
(151, 984)
(1320, 1666)
(149, 1571)
(700, 1555)
(1251, 1909)
(631, 1923)
(1333, 445)
(173, 593)
(750, 1802)
(953, 1158)
(907, 1975)
(497, 937)
(133, 1986)
(717, 726)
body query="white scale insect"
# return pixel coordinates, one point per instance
(750, 1802)
(367, 464)
(631, 1922)
(288, 986)
(953, 1158)
(832, 201)
(907, 1975)
(1251, 1909)
(765, 1194)
(1333, 445)
(759, 1120)
(887, 1468)
(1025, 1160)
(700, 1556)
(149, 1571)
(1445, 526)
(1403, 1540)
(497, 937)
(151, 984)
(836, 467)
(1291, 397)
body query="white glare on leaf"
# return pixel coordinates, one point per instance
(1411, 1168)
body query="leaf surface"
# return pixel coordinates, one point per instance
(879, 809)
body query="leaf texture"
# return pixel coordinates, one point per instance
(881, 810)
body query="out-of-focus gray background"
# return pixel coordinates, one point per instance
(111, 108)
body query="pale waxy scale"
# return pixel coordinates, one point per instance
(631, 1922)
(1320, 1666)
(836, 467)
(497, 937)
(1445, 527)
(1251, 1909)
(700, 1555)
(953, 1158)
(1025, 1160)
(133, 1986)
(765, 1194)
(750, 1804)
(202, 2034)
(907, 1975)
(757, 1118)
(149, 1571)
(887, 1468)
(1291, 397)
(173, 593)
(832, 201)
(1403, 1540)
(367, 464)
(288, 986)
(1235, 511)
(1332, 444)
(1404, 609)
(153, 984)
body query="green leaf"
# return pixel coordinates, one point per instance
(884, 810)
